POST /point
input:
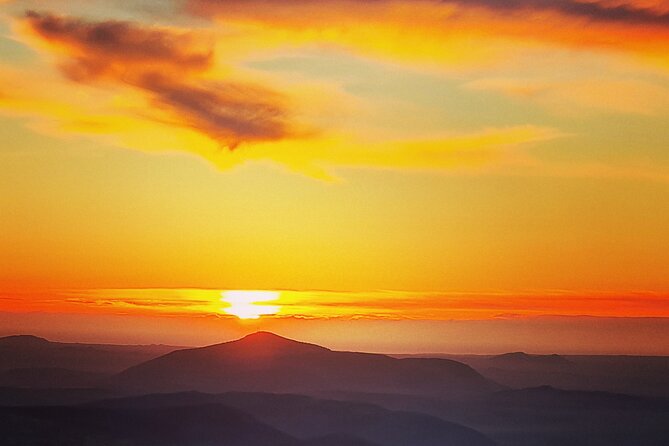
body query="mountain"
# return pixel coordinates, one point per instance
(306, 417)
(265, 362)
(525, 358)
(204, 425)
(545, 416)
(17, 396)
(235, 419)
(23, 341)
(32, 352)
(338, 440)
(49, 377)
(321, 421)
(634, 375)
(577, 400)
(300, 394)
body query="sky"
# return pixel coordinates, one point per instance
(389, 175)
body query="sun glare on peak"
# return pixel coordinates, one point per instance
(246, 304)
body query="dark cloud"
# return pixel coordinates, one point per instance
(105, 43)
(595, 11)
(165, 64)
(625, 12)
(226, 112)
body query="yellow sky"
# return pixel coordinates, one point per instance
(434, 149)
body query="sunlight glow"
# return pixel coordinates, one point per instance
(249, 304)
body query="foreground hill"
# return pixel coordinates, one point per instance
(203, 425)
(265, 362)
(31, 352)
(321, 421)
(338, 440)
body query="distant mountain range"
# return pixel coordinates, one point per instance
(265, 389)
(26, 352)
(522, 357)
(635, 375)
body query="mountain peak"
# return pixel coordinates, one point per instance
(23, 340)
(264, 343)
(525, 357)
(267, 362)
(265, 336)
(513, 355)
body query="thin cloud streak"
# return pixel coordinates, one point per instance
(373, 305)
(632, 12)
(454, 33)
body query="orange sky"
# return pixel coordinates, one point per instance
(385, 161)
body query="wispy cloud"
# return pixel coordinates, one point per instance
(626, 11)
(165, 65)
(581, 96)
(457, 31)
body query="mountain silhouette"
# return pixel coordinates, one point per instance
(546, 416)
(21, 396)
(266, 389)
(577, 400)
(32, 352)
(23, 341)
(525, 358)
(321, 421)
(265, 362)
(338, 440)
(49, 377)
(634, 375)
(203, 425)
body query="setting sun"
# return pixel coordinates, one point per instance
(249, 304)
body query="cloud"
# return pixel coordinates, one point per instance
(101, 47)
(631, 12)
(634, 12)
(224, 111)
(455, 32)
(160, 88)
(324, 304)
(167, 66)
(583, 95)
(474, 150)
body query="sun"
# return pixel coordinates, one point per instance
(246, 304)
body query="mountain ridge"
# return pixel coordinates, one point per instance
(27, 351)
(266, 362)
(307, 418)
